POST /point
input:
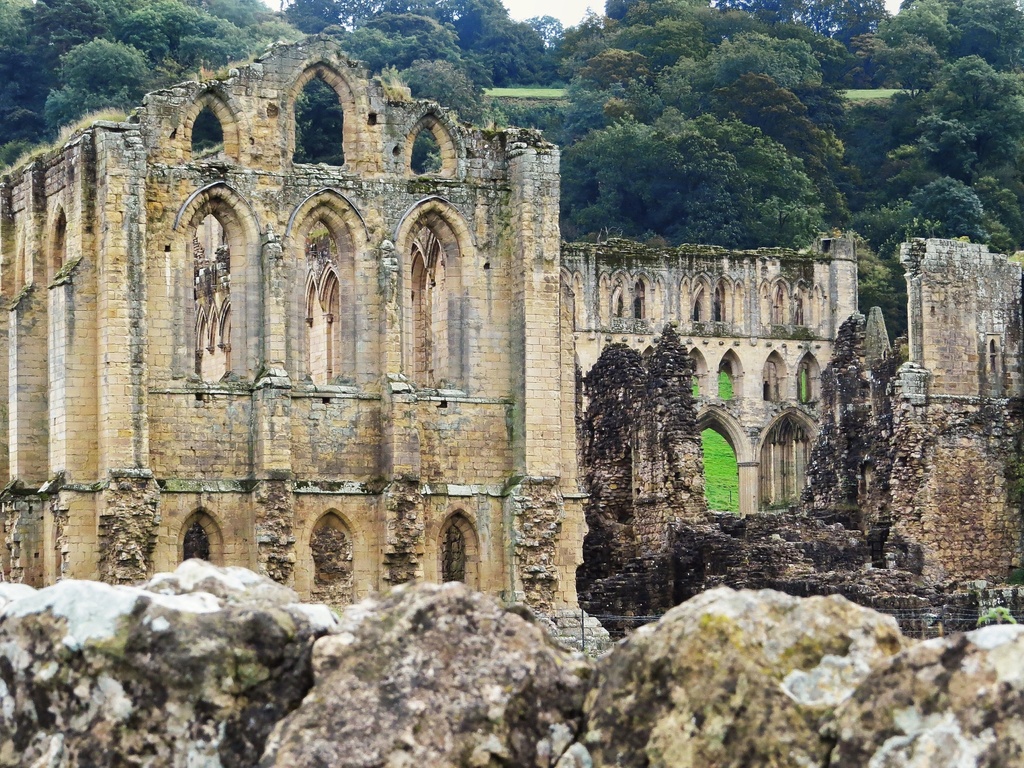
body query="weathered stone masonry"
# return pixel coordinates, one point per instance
(925, 455)
(232, 352)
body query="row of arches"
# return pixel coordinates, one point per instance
(328, 255)
(702, 299)
(332, 552)
(776, 384)
(321, 111)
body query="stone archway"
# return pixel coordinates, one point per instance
(718, 420)
(783, 454)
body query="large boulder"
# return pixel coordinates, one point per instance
(732, 678)
(954, 702)
(436, 676)
(191, 669)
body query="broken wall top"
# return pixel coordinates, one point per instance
(631, 254)
(964, 317)
(255, 107)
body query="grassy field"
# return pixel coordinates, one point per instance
(875, 93)
(526, 93)
(720, 472)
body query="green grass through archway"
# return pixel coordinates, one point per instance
(721, 474)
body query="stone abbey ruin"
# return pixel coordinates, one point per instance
(351, 376)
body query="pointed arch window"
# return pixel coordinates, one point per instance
(201, 538)
(779, 306)
(211, 260)
(207, 134)
(772, 378)
(718, 305)
(697, 314)
(640, 301)
(426, 154)
(458, 551)
(434, 337)
(332, 553)
(808, 379)
(323, 305)
(319, 124)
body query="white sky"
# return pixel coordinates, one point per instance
(569, 12)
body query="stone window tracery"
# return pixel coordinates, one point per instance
(430, 306)
(457, 551)
(211, 259)
(323, 305)
(784, 462)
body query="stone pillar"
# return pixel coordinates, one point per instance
(273, 500)
(128, 526)
(127, 509)
(749, 478)
(668, 466)
(28, 410)
(535, 510)
(23, 519)
(404, 532)
(910, 257)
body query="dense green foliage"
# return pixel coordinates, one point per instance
(721, 473)
(680, 121)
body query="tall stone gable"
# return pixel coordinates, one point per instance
(342, 376)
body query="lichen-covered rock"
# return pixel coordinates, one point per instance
(434, 676)
(191, 669)
(733, 678)
(954, 702)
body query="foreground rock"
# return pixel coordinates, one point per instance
(954, 702)
(434, 676)
(191, 669)
(733, 679)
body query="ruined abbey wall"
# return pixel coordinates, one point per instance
(271, 362)
(764, 319)
(925, 453)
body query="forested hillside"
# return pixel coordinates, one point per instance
(680, 121)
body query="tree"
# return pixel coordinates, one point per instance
(95, 75)
(549, 28)
(700, 180)
(446, 84)
(314, 16)
(397, 40)
(991, 29)
(989, 105)
(951, 208)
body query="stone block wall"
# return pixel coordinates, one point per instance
(926, 454)
(428, 413)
